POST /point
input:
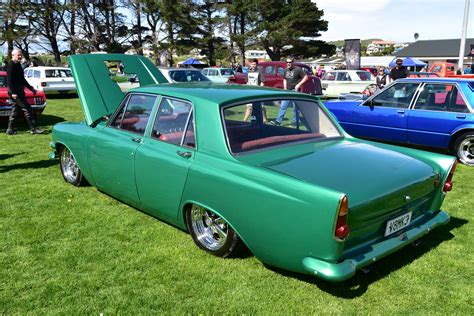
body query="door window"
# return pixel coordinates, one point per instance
(270, 70)
(280, 71)
(343, 76)
(173, 119)
(212, 72)
(397, 96)
(330, 76)
(37, 74)
(441, 97)
(135, 113)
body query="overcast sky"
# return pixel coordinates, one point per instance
(396, 20)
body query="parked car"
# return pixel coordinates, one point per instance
(183, 75)
(184, 153)
(429, 112)
(274, 71)
(422, 74)
(335, 82)
(443, 69)
(219, 75)
(51, 79)
(37, 101)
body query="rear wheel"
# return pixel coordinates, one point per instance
(211, 233)
(464, 148)
(69, 168)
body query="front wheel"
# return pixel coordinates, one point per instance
(69, 168)
(211, 233)
(464, 147)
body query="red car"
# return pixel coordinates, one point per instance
(37, 101)
(274, 76)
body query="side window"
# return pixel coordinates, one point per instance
(343, 76)
(397, 96)
(441, 97)
(37, 74)
(212, 72)
(173, 119)
(280, 71)
(330, 76)
(135, 114)
(270, 70)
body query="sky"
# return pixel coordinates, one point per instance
(396, 20)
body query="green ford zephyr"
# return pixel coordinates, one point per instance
(302, 196)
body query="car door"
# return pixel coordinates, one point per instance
(385, 116)
(163, 160)
(111, 150)
(439, 109)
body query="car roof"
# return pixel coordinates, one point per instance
(178, 69)
(439, 79)
(217, 94)
(48, 68)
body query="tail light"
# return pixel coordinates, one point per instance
(448, 185)
(342, 230)
(44, 84)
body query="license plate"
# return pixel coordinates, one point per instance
(398, 223)
(5, 113)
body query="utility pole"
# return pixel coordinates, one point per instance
(462, 47)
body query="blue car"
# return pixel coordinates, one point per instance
(428, 112)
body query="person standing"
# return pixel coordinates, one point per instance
(16, 84)
(381, 79)
(399, 71)
(255, 77)
(294, 78)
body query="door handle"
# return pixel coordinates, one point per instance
(184, 154)
(461, 116)
(136, 140)
(401, 112)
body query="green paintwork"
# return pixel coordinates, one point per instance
(99, 94)
(282, 201)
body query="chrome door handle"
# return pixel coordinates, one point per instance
(184, 154)
(401, 112)
(136, 140)
(461, 116)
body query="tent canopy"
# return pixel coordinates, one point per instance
(191, 61)
(408, 62)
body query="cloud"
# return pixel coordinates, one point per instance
(366, 6)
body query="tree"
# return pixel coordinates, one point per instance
(289, 27)
(10, 29)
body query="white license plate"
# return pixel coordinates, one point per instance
(396, 224)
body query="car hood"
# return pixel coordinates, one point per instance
(360, 170)
(100, 95)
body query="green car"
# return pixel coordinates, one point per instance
(303, 196)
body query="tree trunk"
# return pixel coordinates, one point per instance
(139, 29)
(242, 33)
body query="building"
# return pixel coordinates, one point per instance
(430, 51)
(254, 53)
(379, 46)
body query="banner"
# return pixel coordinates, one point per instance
(352, 53)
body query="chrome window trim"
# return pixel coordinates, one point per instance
(415, 95)
(186, 126)
(328, 114)
(126, 101)
(455, 84)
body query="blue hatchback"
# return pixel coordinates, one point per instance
(429, 112)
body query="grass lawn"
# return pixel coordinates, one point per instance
(75, 250)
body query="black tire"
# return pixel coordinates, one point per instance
(208, 230)
(69, 168)
(464, 148)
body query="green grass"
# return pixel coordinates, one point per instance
(68, 250)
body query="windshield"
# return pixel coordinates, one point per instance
(253, 126)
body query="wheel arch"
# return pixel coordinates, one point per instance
(59, 146)
(189, 203)
(458, 133)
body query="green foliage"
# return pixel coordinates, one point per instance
(67, 250)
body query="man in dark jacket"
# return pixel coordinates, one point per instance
(16, 84)
(399, 71)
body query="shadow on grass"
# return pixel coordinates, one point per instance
(8, 156)
(359, 283)
(29, 165)
(42, 120)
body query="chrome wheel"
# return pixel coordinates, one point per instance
(465, 150)
(209, 229)
(69, 168)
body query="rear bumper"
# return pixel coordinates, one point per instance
(6, 110)
(344, 270)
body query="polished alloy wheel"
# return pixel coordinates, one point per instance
(210, 229)
(69, 166)
(466, 150)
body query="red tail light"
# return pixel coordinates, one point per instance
(43, 84)
(342, 230)
(448, 185)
